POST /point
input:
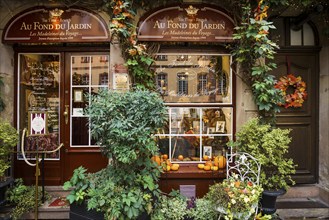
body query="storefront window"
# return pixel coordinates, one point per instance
(200, 110)
(38, 102)
(87, 77)
(196, 78)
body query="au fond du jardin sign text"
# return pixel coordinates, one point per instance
(189, 23)
(42, 25)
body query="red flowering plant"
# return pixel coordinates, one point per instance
(298, 96)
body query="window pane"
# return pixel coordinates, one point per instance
(308, 35)
(187, 146)
(80, 131)
(89, 74)
(295, 37)
(195, 131)
(38, 93)
(100, 70)
(193, 78)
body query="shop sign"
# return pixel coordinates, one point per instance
(44, 25)
(193, 23)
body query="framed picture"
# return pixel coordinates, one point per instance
(78, 95)
(211, 130)
(207, 151)
(220, 126)
(38, 123)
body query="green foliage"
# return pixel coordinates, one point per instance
(168, 207)
(254, 51)
(79, 182)
(23, 197)
(123, 125)
(269, 146)
(8, 139)
(138, 61)
(203, 210)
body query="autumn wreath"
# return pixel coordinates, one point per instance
(297, 98)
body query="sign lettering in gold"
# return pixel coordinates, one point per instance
(56, 25)
(187, 23)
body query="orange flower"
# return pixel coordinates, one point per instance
(127, 15)
(116, 10)
(263, 32)
(132, 52)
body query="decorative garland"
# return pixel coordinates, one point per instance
(297, 98)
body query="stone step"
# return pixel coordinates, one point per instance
(303, 213)
(56, 208)
(302, 208)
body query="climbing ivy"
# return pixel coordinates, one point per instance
(254, 51)
(138, 61)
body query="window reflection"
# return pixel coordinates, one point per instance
(87, 77)
(195, 78)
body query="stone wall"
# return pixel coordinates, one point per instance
(7, 72)
(324, 112)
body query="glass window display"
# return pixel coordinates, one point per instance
(197, 89)
(192, 133)
(38, 92)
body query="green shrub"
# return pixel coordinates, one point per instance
(23, 197)
(8, 139)
(269, 146)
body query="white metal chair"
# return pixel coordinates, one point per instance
(244, 166)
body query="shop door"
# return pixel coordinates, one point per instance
(304, 120)
(85, 73)
(51, 89)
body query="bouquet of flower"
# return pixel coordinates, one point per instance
(235, 199)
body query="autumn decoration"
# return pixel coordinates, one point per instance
(298, 96)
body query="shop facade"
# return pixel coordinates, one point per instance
(53, 55)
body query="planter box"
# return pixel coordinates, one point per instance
(80, 212)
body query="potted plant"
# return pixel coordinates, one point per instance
(269, 146)
(123, 125)
(235, 199)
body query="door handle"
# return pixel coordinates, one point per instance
(66, 114)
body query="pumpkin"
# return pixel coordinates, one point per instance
(221, 162)
(200, 165)
(175, 167)
(206, 168)
(156, 159)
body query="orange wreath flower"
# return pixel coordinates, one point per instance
(297, 98)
